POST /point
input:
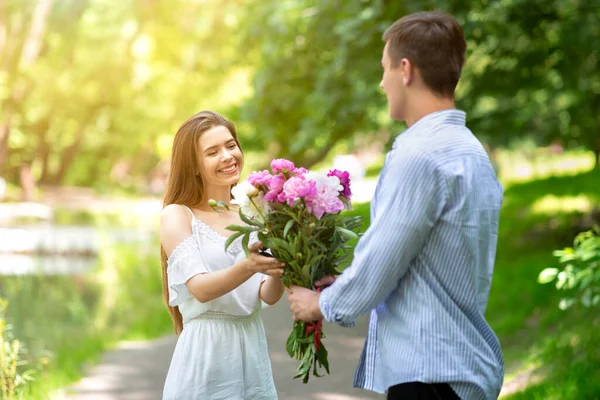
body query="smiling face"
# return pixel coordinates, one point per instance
(220, 159)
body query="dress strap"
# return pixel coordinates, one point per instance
(191, 213)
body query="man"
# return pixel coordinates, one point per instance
(424, 267)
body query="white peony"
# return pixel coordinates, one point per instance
(322, 179)
(242, 192)
(252, 212)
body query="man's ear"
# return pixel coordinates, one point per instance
(407, 71)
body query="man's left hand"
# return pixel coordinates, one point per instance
(304, 304)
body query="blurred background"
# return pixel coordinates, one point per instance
(93, 91)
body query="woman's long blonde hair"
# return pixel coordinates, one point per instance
(184, 184)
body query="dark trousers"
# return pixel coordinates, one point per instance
(421, 391)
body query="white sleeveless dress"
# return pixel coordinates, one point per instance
(222, 352)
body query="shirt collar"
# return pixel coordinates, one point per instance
(443, 117)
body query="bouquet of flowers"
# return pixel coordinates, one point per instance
(296, 214)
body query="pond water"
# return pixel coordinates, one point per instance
(59, 249)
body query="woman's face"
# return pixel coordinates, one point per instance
(220, 159)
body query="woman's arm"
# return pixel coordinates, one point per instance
(175, 227)
(271, 290)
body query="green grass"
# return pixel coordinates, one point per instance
(524, 313)
(67, 322)
(524, 165)
(561, 348)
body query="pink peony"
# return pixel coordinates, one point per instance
(282, 165)
(300, 171)
(344, 178)
(297, 187)
(275, 187)
(325, 200)
(258, 178)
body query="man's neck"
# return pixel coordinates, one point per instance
(426, 104)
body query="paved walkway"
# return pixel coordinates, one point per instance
(136, 370)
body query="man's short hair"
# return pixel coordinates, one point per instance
(434, 43)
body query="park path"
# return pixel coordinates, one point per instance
(136, 370)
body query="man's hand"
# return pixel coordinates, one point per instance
(325, 281)
(304, 304)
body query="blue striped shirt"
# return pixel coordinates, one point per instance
(424, 266)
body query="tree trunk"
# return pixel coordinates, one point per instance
(43, 151)
(4, 132)
(27, 183)
(29, 53)
(33, 43)
(69, 154)
(308, 162)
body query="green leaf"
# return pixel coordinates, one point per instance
(547, 275)
(280, 244)
(288, 226)
(562, 280)
(585, 278)
(306, 272)
(245, 241)
(305, 364)
(315, 370)
(566, 303)
(291, 344)
(586, 297)
(240, 228)
(322, 356)
(346, 233)
(252, 222)
(231, 238)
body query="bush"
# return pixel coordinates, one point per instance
(580, 276)
(13, 379)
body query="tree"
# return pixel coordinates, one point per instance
(18, 55)
(531, 70)
(317, 74)
(535, 71)
(110, 84)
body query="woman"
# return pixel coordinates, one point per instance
(213, 295)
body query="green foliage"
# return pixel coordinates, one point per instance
(101, 99)
(317, 73)
(13, 378)
(568, 358)
(67, 322)
(91, 93)
(557, 349)
(312, 248)
(581, 272)
(533, 69)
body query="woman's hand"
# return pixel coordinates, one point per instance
(265, 265)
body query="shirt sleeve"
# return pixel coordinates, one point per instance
(410, 199)
(185, 262)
